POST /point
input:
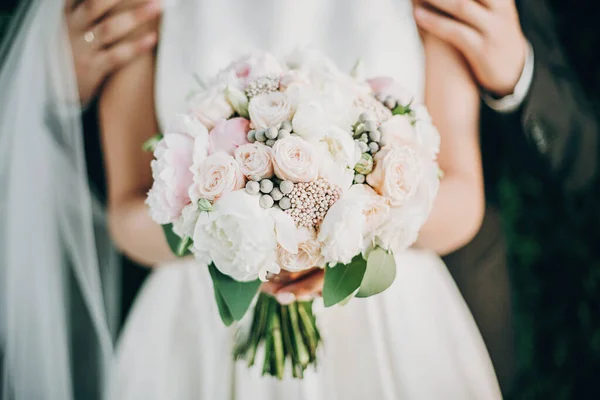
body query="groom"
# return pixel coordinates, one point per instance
(534, 110)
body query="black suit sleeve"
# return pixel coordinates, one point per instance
(556, 117)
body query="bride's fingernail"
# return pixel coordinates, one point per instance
(306, 297)
(285, 298)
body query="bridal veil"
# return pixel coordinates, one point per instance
(53, 238)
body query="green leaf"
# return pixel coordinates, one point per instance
(150, 144)
(402, 110)
(180, 247)
(224, 312)
(342, 280)
(236, 295)
(380, 273)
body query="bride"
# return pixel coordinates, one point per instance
(415, 341)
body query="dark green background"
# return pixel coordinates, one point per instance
(554, 247)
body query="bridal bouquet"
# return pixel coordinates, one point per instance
(292, 166)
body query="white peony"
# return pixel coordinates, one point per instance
(239, 236)
(185, 224)
(340, 144)
(342, 231)
(328, 106)
(269, 109)
(211, 105)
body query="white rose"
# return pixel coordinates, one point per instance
(269, 109)
(295, 159)
(255, 161)
(308, 255)
(211, 105)
(396, 174)
(218, 174)
(239, 236)
(322, 109)
(342, 231)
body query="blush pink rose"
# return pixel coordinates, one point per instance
(396, 174)
(295, 159)
(387, 86)
(217, 175)
(172, 177)
(228, 135)
(255, 161)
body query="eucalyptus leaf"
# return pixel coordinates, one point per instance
(224, 312)
(342, 280)
(236, 295)
(180, 247)
(380, 273)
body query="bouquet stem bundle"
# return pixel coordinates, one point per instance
(288, 334)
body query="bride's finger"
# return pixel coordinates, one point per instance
(113, 28)
(122, 53)
(460, 35)
(469, 11)
(304, 288)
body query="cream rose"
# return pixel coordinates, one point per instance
(218, 174)
(269, 109)
(255, 160)
(295, 159)
(308, 255)
(396, 174)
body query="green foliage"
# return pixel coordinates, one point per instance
(180, 247)
(233, 298)
(380, 273)
(342, 281)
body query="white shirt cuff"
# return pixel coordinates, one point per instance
(512, 102)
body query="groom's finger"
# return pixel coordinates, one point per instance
(448, 29)
(468, 11)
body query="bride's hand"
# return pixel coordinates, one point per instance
(105, 35)
(289, 287)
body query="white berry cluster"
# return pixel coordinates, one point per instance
(368, 138)
(262, 85)
(392, 104)
(310, 201)
(270, 135)
(273, 193)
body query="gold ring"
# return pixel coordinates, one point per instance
(89, 37)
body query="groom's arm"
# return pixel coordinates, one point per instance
(556, 115)
(535, 93)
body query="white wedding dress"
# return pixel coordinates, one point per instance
(416, 341)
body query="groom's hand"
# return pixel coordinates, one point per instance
(487, 32)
